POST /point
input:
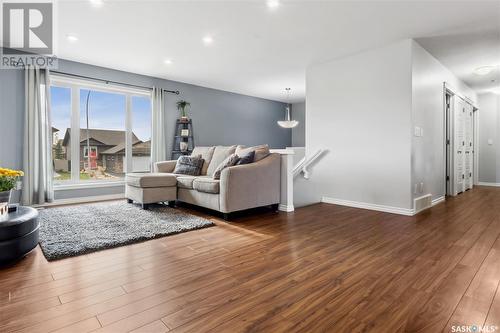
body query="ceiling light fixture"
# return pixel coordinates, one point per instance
(288, 123)
(273, 4)
(207, 40)
(484, 70)
(96, 3)
(168, 61)
(71, 38)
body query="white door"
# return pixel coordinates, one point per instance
(469, 147)
(459, 145)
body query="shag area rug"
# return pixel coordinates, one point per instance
(75, 230)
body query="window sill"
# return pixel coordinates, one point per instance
(75, 186)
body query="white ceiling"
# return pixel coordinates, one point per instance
(464, 49)
(258, 51)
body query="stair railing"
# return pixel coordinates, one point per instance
(301, 166)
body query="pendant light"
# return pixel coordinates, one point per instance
(288, 123)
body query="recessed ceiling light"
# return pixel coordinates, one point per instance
(96, 3)
(168, 61)
(208, 40)
(71, 37)
(272, 4)
(484, 70)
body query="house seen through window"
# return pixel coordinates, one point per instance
(99, 132)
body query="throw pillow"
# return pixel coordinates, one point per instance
(189, 165)
(247, 158)
(229, 161)
(260, 151)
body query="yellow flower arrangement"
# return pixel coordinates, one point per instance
(9, 178)
(11, 173)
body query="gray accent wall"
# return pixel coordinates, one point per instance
(299, 132)
(219, 117)
(11, 118)
(489, 129)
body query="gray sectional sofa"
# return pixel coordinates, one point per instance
(240, 187)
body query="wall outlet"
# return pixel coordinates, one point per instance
(490, 142)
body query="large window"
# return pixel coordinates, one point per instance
(100, 132)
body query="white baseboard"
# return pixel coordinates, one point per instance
(489, 184)
(364, 205)
(72, 201)
(438, 200)
(286, 208)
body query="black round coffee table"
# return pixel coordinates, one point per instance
(18, 234)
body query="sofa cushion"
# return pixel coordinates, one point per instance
(246, 158)
(189, 165)
(260, 151)
(228, 162)
(206, 153)
(206, 185)
(220, 154)
(151, 179)
(185, 181)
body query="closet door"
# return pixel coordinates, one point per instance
(459, 145)
(469, 153)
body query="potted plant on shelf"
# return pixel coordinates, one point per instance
(8, 182)
(181, 106)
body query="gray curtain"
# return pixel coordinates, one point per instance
(158, 135)
(37, 156)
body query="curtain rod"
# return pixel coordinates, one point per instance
(113, 82)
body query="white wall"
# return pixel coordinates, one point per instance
(363, 110)
(489, 124)
(359, 108)
(428, 151)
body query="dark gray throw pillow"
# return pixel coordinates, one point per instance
(247, 158)
(189, 165)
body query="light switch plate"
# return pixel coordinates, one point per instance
(490, 142)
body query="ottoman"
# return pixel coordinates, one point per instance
(148, 188)
(18, 234)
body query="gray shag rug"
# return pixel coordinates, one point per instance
(75, 230)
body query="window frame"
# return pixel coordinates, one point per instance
(76, 85)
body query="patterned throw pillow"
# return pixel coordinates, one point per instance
(247, 158)
(189, 165)
(229, 161)
(260, 151)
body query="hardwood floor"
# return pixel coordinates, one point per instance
(324, 268)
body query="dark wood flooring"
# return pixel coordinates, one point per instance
(324, 268)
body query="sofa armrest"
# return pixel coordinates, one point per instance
(251, 185)
(165, 166)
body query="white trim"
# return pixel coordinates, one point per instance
(364, 205)
(438, 200)
(286, 208)
(282, 151)
(71, 201)
(489, 184)
(76, 186)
